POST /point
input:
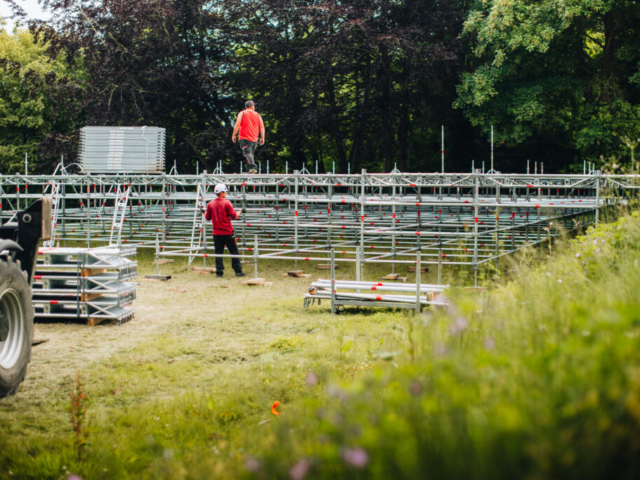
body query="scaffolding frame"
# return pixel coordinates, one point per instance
(466, 219)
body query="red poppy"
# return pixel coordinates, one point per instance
(275, 405)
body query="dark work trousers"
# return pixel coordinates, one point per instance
(248, 148)
(229, 241)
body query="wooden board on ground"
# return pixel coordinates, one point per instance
(298, 273)
(394, 277)
(475, 289)
(162, 261)
(255, 281)
(323, 266)
(92, 322)
(422, 269)
(161, 278)
(203, 269)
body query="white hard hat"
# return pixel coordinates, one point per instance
(221, 187)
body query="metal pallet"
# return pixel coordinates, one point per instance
(82, 284)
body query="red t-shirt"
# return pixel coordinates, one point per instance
(220, 212)
(250, 122)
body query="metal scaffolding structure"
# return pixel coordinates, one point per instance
(451, 219)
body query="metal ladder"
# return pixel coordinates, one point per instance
(198, 230)
(119, 212)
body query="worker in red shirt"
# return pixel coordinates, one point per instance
(221, 212)
(249, 126)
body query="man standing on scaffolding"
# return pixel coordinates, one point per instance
(248, 125)
(221, 212)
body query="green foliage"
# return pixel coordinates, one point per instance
(27, 114)
(538, 378)
(555, 69)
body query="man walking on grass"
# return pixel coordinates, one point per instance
(248, 125)
(221, 212)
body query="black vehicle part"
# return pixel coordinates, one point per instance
(16, 326)
(19, 243)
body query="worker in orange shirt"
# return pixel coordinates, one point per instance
(249, 128)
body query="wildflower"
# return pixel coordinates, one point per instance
(440, 299)
(71, 476)
(275, 405)
(312, 379)
(578, 255)
(415, 389)
(356, 457)
(489, 344)
(459, 325)
(299, 470)
(252, 465)
(440, 350)
(336, 392)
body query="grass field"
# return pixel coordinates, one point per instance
(537, 378)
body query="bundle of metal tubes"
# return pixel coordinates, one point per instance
(86, 285)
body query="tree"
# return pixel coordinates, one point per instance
(150, 62)
(28, 106)
(348, 81)
(555, 73)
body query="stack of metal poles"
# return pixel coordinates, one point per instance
(86, 285)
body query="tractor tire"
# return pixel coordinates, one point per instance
(16, 326)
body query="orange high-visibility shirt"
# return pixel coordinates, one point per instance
(250, 122)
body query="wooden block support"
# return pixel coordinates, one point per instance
(203, 269)
(323, 266)
(394, 278)
(296, 273)
(161, 278)
(422, 269)
(475, 289)
(162, 261)
(90, 272)
(253, 281)
(87, 297)
(92, 322)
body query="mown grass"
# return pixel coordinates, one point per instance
(538, 378)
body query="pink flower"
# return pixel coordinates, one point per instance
(312, 379)
(299, 470)
(459, 325)
(489, 343)
(252, 465)
(356, 457)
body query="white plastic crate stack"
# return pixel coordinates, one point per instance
(122, 149)
(84, 284)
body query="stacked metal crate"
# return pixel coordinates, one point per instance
(122, 149)
(84, 284)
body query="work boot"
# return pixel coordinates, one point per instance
(219, 274)
(253, 170)
(241, 274)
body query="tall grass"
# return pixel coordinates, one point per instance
(540, 378)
